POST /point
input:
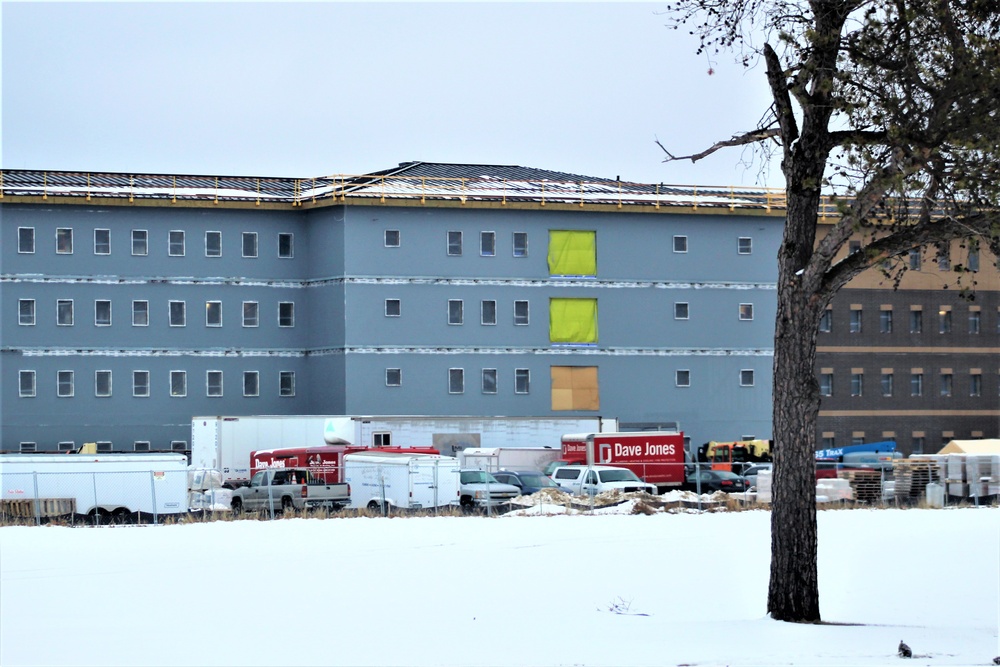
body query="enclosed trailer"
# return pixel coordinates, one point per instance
(402, 481)
(493, 459)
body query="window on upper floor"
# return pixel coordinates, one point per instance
(745, 245)
(102, 313)
(456, 380)
(682, 378)
(102, 241)
(454, 244)
(974, 322)
(286, 245)
(178, 384)
(746, 378)
(975, 384)
(213, 244)
(391, 238)
(26, 312)
(64, 384)
(64, 241)
(522, 381)
(286, 314)
(251, 383)
(140, 446)
(286, 383)
(574, 388)
(213, 313)
(455, 311)
(140, 313)
(826, 321)
(140, 383)
(826, 384)
(573, 321)
(26, 384)
(944, 256)
(520, 313)
(393, 377)
(885, 321)
(680, 244)
(681, 311)
(249, 244)
(489, 380)
(178, 314)
(916, 384)
(947, 381)
(250, 318)
(914, 259)
(488, 312)
(102, 384)
(64, 312)
(973, 261)
(175, 245)
(944, 319)
(857, 384)
(393, 307)
(746, 311)
(213, 383)
(855, 325)
(887, 384)
(572, 253)
(26, 239)
(27, 447)
(916, 321)
(487, 244)
(66, 446)
(520, 244)
(140, 242)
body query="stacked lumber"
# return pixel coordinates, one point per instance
(865, 482)
(47, 507)
(913, 475)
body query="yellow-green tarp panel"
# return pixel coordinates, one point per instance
(573, 320)
(572, 253)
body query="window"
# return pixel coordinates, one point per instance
(26, 239)
(393, 377)
(102, 383)
(178, 383)
(140, 313)
(488, 312)
(973, 259)
(251, 383)
(178, 314)
(64, 241)
(974, 321)
(887, 384)
(178, 445)
(746, 311)
(27, 447)
(213, 244)
(572, 253)
(26, 384)
(140, 242)
(454, 244)
(680, 244)
(456, 380)
(826, 384)
(520, 244)
(381, 439)
(102, 241)
(391, 238)
(975, 384)
(917, 444)
(64, 383)
(140, 446)
(520, 313)
(489, 380)
(916, 321)
(914, 259)
(392, 307)
(857, 384)
(916, 384)
(213, 383)
(828, 441)
(682, 378)
(286, 383)
(746, 378)
(857, 439)
(286, 245)
(885, 321)
(213, 313)
(455, 315)
(66, 446)
(573, 321)
(250, 314)
(175, 246)
(944, 320)
(826, 321)
(102, 313)
(487, 244)
(140, 383)
(26, 312)
(64, 312)
(744, 245)
(680, 311)
(286, 314)
(574, 388)
(249, 244)
(522, 381)
(855, 326)
(946, 384)
(944, 256)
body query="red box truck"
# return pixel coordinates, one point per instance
(655, 456)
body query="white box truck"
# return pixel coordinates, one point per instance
(380, 480)
(108, 488)
(225, 443)
(493, 459)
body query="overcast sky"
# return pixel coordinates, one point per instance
(326, 88)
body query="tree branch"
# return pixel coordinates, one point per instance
(753, 137)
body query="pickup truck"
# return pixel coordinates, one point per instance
(479, 489)
(289, 489)
(581, 480)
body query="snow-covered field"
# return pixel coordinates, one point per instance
(665, 589)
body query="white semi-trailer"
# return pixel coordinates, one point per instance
(224, 443)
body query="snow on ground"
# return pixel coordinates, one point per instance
(664, 589)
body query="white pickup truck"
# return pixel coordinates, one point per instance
(582, 480)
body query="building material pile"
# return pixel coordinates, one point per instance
(865, 483)
(912, 476)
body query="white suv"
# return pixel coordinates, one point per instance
(582, 480)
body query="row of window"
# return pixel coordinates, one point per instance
(744, 245)
(522, 379)
(914, 257)
(887, 382)
(176, 242)
(104, 446)
(177, 313)
(945, 320)
(66, 381)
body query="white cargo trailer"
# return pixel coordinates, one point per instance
(224, 443)
(107, 487)
(493, 459)
(382, 480)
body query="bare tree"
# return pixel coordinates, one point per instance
(889, 109)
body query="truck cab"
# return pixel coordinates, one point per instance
(480, 489)
(581, 480)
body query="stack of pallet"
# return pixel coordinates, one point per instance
(866, 483)
(28, 508)
(983, 475)
(914, 474)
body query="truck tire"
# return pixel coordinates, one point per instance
(237, 506)
(287, 506)
(467, 505)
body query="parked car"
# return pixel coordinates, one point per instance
(528, 481)
(480, 490)
(715, 480)
(750, 474)
(585, 480)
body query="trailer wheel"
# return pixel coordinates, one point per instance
(121, 515)
(237, 506)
